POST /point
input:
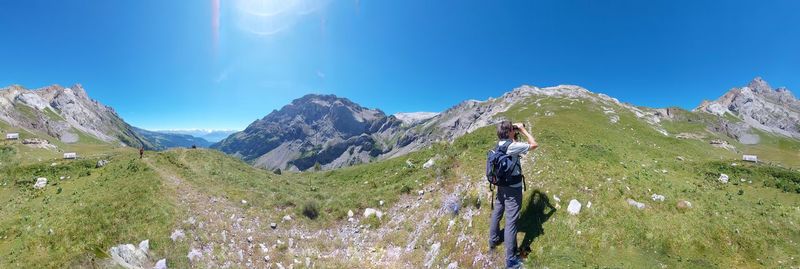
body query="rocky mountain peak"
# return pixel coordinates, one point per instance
(760, 107)
(759, 85)
(315, 128)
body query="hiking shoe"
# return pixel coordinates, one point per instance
(513, 263)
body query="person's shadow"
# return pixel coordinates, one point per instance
(536, 213)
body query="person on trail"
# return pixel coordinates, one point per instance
(505, 173)
(141, 152)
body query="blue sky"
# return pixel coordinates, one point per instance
(221, 64)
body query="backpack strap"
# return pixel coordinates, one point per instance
(504, 147)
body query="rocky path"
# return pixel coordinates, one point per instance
(219, 233)
(222, 234)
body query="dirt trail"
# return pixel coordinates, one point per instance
(222, 234)
(217, 229)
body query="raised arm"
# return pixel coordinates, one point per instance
(527, 135)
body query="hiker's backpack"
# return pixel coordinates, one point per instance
(500, 166)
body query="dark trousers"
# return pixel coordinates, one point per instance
(508, 200)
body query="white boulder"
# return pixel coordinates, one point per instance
(144, 246)
(161, 264)
(723, 178)
(428, 164)
(287, 218)
(128, 256)
(40, 183)
(574, 207)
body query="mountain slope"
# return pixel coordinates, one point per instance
(758, 106)
(324, 129)
(67, 114)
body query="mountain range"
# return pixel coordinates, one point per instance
(611, 185)
(327, 131)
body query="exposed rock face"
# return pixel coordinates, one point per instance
(64, 113)
(324, 129)
(758, 106)
(412, 118)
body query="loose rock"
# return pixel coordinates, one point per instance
(683, 205)
(161, 264)
(428, 164)
(194, 254)
(658, 197)
(273, 225)
(101, 163)
(40, 183)
(574, 207)
(177, 234)
(636, 204)
(144, 246)
(128, 256)
(430, 257)
(723, 178)
(371, 211)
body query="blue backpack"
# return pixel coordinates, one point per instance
(500, 166)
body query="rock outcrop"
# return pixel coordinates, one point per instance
(758, 106)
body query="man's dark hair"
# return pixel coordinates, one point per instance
(503, 129)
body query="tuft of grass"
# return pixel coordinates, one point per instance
(311, 209)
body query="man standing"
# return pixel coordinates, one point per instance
(509, 195)
(141, 152)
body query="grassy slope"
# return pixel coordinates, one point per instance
(87, 146)
(123, 202)
(585, 157)
(335, 192)
(582, 156)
